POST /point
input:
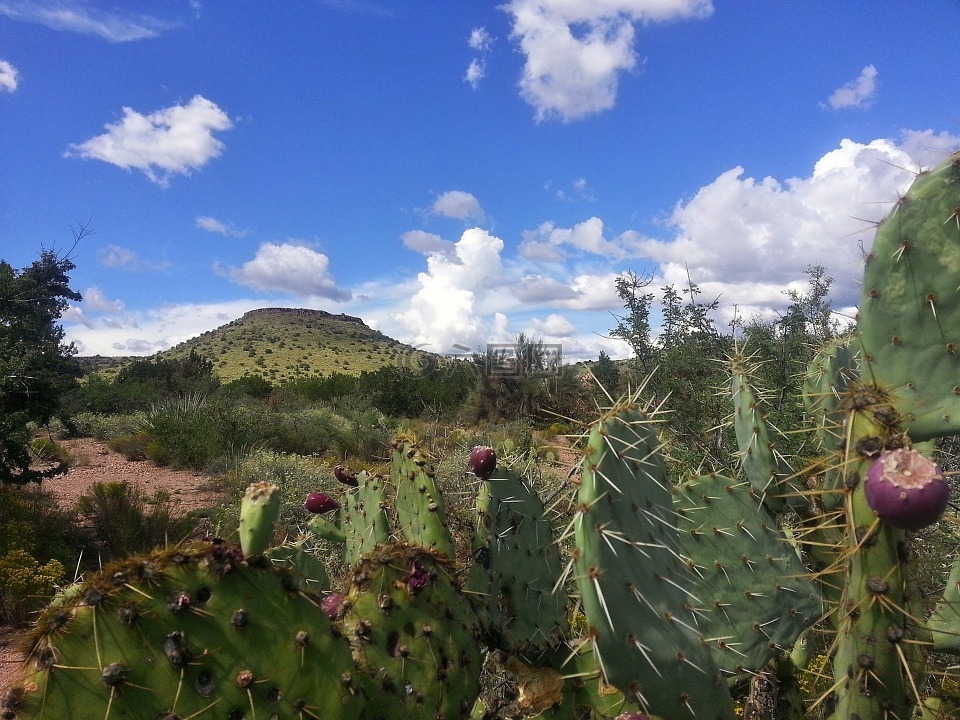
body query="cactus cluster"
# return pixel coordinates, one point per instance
(677, 592)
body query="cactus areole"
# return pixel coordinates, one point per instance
(906, 489)
(483, 461)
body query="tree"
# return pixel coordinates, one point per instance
(35, 363)
(634, 327)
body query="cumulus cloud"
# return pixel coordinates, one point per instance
(82, 17)
(211, 224)
(428, 243)
(445, 309)
(9, 77)
(856, 93)
(747, 240)
(576, 49)
(537, 289)
(289, 268)
(95, 300)
(459, 205)
(548, 239)
(927, 148)
(553, 326)
(167, 142)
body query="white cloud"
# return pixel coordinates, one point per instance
(576, 49)
(857, 93)
(9, 76)
(587, 236)
(211, 224)
(480, 40)
(81, 17)
(928, 148)
(119, 257)
(458, 204)
(476, 71)
(537, 289)
(746, 240)
(96, 301)
(428, 243)
(289, 268)
(174, 140)
(444, 310)
(553, 326)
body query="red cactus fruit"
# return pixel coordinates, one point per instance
(345, 476)
(332, 606)
(318, 502)
(906, 489)
(483, 461)
(632, 716)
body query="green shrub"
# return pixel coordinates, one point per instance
(105, 427)
(133, 446)
(38, 539)
(124, 521)
(25, 584)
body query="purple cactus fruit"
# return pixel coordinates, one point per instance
(345, 476)
(332, 606)
(906, 489)
(632, 716)
(417, 578)
(483, 461)
(318, 502)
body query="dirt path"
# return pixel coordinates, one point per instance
(95, 462)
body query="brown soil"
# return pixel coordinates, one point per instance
(95, 462)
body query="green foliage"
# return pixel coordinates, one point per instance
(106, 427)
(35, 365)
(38, 539)
(528, 381)
(25, 584)
(133, 446)
(191, 432)
(247, 386)
(125, 521)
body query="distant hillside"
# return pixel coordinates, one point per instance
(289, 343)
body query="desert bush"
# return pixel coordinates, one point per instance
(192, 431)
(133, 446)
(125, 521)
(105, 427)
(38, 539)
(25, 584)
(48, 450)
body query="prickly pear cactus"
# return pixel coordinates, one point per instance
(754, 587)
(364, 520)
(410, 630)
(772, 478)
(421, 513)
(184, 632)
(638, 593)
(909, 318)
(515, 576)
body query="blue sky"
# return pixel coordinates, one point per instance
(456, 172)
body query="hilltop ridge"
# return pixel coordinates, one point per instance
(282, 344)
